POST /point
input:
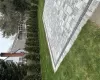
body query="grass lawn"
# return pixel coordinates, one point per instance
(83, 60)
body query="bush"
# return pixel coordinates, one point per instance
(34, 20)
(35, 1)
(12, 71)
(32, 34)
(32, 43)
(32, 49)
(28, 37)
(32, 30)
(33, 26)
(34, 68)
(21, 5)
(34, 7)
(33, 77)
(32, 39)
(35, 57)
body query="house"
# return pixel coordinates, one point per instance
(18, 45)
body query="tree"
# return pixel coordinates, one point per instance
(13, 15)
(21, 5)
(9, 25)
(11, 71)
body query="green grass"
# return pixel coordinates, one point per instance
(83, 60)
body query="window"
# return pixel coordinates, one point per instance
(20, 35)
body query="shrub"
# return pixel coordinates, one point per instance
(34, 34)
(34, 68)
(34, 7)
(32, 43)
(35, 1)
(32, 48)
(35, 57)
(32, 29)
(32, 39)
(33, 77)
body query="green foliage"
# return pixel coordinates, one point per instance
(32, 34)
(33, 77)
(13, 12)
(21, 5)
(32, 39)
(35, 1)
(32, 30)
(34, 7)
(32, 21)
(11, 71)
(32, 49)
(34, 68)
(35, 57)
(32, 44)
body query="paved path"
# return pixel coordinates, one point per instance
(96, 16)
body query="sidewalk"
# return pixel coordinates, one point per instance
(96, 16)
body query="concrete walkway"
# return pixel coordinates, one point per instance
(96, 16)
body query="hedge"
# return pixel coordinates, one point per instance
(33, 77)
(32, 44)
(35, 57)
